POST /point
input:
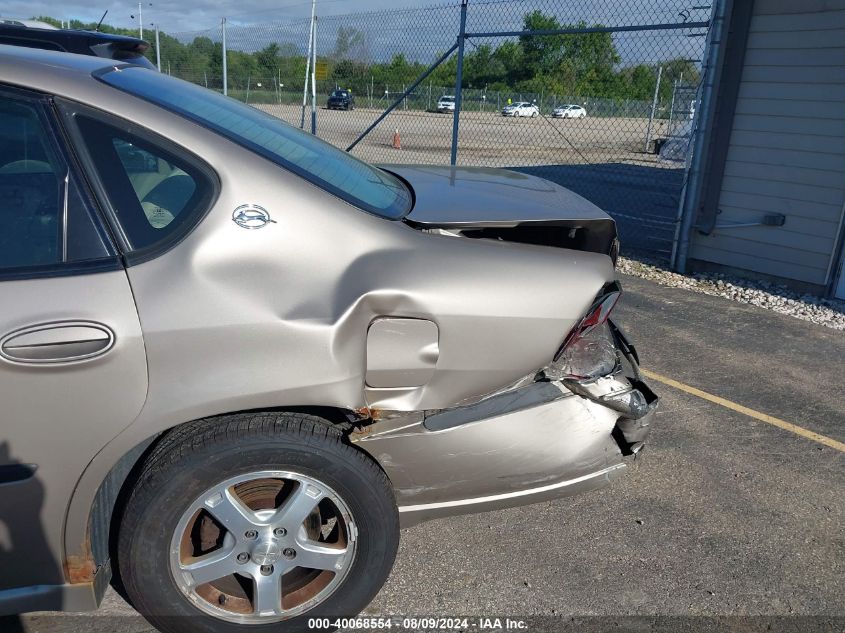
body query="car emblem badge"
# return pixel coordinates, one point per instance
(251, 216)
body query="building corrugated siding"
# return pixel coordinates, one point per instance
(787, 146)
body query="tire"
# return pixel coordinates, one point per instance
(253, 458)
(534, 114)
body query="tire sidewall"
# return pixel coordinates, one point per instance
(148, 542)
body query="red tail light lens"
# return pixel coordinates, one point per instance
(597, 315)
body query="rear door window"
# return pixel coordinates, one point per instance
(47, 221)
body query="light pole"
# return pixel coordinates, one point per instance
(158, 49)
(141, 19)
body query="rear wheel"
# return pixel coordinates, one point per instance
(243, 522)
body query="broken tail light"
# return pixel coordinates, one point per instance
(589, 350)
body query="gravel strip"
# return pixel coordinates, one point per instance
(778, 298)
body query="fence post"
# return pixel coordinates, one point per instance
(708, 87)
(672, 106)
(653, 108)
(459, 79)
(314, 81)
(158, 50)
(307, 65)
(225, 69)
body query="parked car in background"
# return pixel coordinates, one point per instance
(341, 100)
(521, 109)
(234, 359)
(117, 47)
(446, 103)
(569, 112)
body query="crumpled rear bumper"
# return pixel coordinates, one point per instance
(539, 441)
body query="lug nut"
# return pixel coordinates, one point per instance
(289, 553)
(280, 531)
(243, 557)
(251, 534)
(266, 569)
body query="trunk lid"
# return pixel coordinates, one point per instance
(480, 202)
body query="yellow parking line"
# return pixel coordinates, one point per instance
(763, 417)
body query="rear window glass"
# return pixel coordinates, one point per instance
(334, 170)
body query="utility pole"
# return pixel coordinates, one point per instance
(140, 21)
(158, 50)
(308, 64)
(225, 69)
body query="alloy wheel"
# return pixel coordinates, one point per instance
(263, 547)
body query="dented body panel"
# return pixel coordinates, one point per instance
(536, 441)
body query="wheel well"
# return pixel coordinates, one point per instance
(104, 517)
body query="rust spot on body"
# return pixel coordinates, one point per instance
(368, 412)
(80, 569)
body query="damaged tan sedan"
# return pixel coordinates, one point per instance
(234, 360)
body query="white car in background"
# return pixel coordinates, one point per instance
(569, 112)
(446, 103)
(522, 108)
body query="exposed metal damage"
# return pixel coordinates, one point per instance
(528, 440)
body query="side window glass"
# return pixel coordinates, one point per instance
(154, 193)
(45, 220)
(31, 188)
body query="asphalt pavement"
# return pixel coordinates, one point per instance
(724, 521)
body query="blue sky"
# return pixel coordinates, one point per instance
(189, 15)
(184, 15)
(419, 32)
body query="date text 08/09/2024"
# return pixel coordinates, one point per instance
(420, 623)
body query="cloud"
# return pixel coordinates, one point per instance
(184, 15)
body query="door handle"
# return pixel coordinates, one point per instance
(58, 342)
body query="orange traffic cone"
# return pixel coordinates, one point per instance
(397, 142)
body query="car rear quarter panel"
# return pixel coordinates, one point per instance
(238, 319)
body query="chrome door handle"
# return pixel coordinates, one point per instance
(58, 342)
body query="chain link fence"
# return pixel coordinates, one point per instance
(632, 68)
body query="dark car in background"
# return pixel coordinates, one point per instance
(118, 47)
(341, 100)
